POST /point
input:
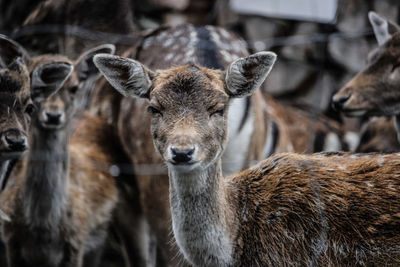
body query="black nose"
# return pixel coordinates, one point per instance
(337, 102)
(53, 118)
(182, 156)
(15, 140)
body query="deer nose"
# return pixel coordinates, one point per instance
(53, 118)
(15, 140)
(182, 155)
(338, 101)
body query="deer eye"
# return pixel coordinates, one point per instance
(219, 112)
(30, 108)
(154, 111)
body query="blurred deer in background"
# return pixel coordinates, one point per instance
(59, 204)
(374, 90)
(16, 105)
(325, 209)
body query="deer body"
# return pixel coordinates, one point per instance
(290, 209)
(320, 209)
(258, 125)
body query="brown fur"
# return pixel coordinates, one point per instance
(325, 209)
(64, 229)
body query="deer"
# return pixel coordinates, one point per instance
(259, 126)
(17, 106)
(329, 208)
(58, 201)
(373, 91)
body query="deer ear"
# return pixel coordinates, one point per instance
(48, 78)
(383, 29)
(85, 66)
(246, 74)
(10, 51)
(128, 76)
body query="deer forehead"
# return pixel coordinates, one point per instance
(188, 83)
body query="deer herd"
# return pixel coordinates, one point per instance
(244, 180)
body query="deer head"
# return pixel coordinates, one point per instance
(66, 81)
(374, 90)
(188, 104)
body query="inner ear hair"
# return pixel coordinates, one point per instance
(247, 74)
(127, 76)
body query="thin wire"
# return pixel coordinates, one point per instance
(123, 39)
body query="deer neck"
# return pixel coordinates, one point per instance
(44, 195)
(201, 216)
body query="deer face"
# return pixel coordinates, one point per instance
(374, 91)
(57, 105)
(188, 104)
(15, 109)
(15, 102)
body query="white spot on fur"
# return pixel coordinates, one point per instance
(369, 184)
(225, 33)
(354, 156)
(162, 36)
(177, 33)
(169, 56)
(183, 40)
(227, 56)
(148, 42)
(168, 42)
